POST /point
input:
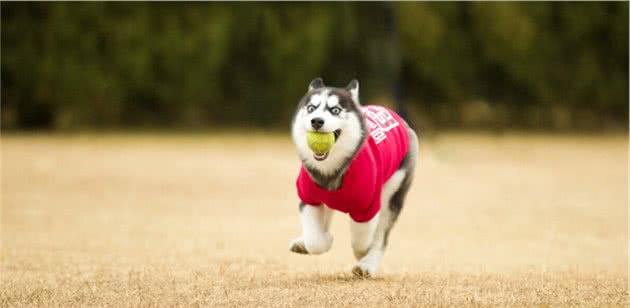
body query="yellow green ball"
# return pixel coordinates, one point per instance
(320, 143)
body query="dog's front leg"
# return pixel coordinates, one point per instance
(368, 242)
(362, 235)
(315, 238)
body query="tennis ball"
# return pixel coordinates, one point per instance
(320, 143)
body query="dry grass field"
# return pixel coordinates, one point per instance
(512, 220)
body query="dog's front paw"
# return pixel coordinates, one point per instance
(312, 245)
(297, 246)
(366, 267)
(361, 271)
(318, 244)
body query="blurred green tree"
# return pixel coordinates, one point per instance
(200, 65)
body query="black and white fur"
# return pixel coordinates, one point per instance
(329, 109)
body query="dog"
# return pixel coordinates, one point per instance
(367, 172)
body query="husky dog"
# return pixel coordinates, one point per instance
(366, 173)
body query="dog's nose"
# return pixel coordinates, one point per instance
(317, 123)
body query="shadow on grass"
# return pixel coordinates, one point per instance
(341, 277)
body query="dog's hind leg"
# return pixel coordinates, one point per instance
(392, 199)
(315, 237)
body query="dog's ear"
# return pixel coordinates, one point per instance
(316, 84)
(353, 88)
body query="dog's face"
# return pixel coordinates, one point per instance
(328, 109)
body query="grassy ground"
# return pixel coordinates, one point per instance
(206, 220)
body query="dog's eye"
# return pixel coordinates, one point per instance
(310, 108)
(335, 110)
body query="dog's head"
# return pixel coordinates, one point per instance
(329, 109)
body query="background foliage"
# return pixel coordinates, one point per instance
(205, 65)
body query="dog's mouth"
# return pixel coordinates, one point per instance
(320, 157)
(323, 156)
